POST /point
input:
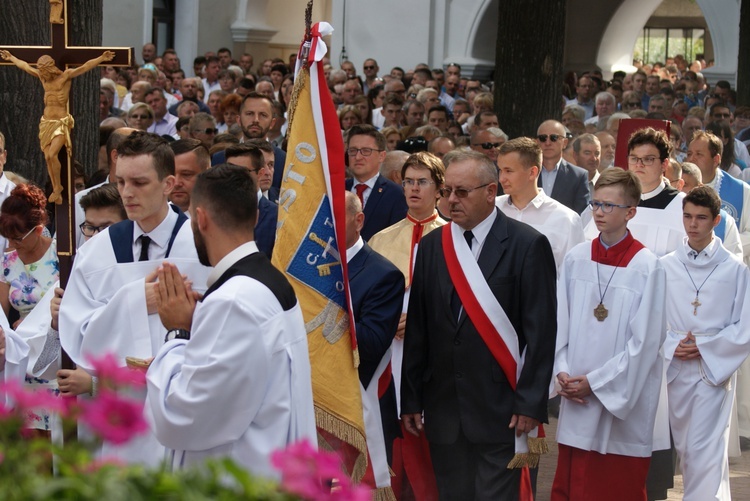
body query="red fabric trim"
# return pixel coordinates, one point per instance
(477, 315)
(334, 145)
(385, 380)
(416, 235)
(414, 477)
(619, 254)
(525, 492)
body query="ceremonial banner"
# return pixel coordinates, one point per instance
(310, 249)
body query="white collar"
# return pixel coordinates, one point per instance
(163, 231)
(536, 202)
(354, 249)
(370, 182)
(481, 230)
(223, 265)
(654, 192)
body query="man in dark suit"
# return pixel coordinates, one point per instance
(471, 413)
(561, 180)
(383, 200)
(377, 290)
(250, 157)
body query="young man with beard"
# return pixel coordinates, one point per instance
(109, 305)
(240, 349)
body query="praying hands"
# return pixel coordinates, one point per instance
(687, 349)
(574, 389)
(175, 298)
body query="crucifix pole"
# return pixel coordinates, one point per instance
(55, 66)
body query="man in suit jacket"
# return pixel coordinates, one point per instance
(251, 157)
(448, 371)
(561, 180)
(377, 290)
(383, 200)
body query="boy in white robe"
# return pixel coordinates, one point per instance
(708, 338)
(610, 327)
(109, 304)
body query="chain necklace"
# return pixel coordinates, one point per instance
(695, 302)
(601, 312)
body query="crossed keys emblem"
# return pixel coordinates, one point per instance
(325, 268)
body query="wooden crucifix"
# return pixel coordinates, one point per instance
(56, 66)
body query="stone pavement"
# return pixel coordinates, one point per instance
(739, 473)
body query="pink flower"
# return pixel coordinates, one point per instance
(24, 399)
(109, 372)
(113, 418)
(308, 473)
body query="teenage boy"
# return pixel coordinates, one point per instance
(708, 338)
(610, 327)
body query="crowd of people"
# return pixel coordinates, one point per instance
(488, 274)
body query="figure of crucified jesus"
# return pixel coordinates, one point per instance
(56, 122)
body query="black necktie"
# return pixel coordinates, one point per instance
(145, 242)
(455, 300)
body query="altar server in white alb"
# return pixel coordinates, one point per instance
(233, 377)
(109, 306)
(611, 325)
(708, 338)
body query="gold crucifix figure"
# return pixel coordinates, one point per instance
(56, 122)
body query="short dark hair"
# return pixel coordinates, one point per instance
(103, 197)
(429, 162)
(224, 49)
(256, 95)
(704, 196)
(649, 135)
(246, 150)
(228, 193)
(261, 144)
(212, 59)
(715, 144)
(367, 130)
(440, 109)
(182, 146)
(143, 143)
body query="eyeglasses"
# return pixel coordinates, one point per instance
(634, 104)
(208, 131)
(366, 152)
(422, 183)
(19, 240)
(606, 207)
(89, 230)
(369, 67)
(487, 146)
(459, 192)
(646, 161)
(722, 115)
(552, 137)
(140, 117)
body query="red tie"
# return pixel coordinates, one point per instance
(361, 187)
(416, 236)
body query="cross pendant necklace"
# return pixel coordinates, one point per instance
(696, 302)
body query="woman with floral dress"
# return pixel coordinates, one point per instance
(30, 266)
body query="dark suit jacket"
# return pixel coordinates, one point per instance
(571, 186)
(377, 289)
(385, 206)
(265, 226)
(448, 371)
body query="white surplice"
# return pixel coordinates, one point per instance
(701, 391)
(104, 311)
(241, 386)
(619, 356)
(561, 225)
(16, 357)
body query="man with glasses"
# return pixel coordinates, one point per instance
(563, 181)
(585, 90)
(251, 157)
(487, 142)
(472, 414)
(370, 69)
(383, 200)
(203, 128)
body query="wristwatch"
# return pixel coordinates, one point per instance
(177, 334)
